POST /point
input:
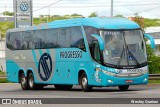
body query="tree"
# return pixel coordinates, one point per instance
(140, 20)
(153, 60)
(4, 27)
(119, 15)
(93, 14)
(76, 15)
(8, 13)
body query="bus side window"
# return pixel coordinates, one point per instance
(54, 38)
(9, 42)
(77, 40)
(64, 37)
(96, 51)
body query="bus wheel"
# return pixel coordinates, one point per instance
(63, 87)
(123, 87)
(31, 83)
(23, 82)
(84, 83)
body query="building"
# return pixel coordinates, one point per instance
(2, 55)
(155, 32)
(6, 18)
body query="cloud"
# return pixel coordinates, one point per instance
(146, 8)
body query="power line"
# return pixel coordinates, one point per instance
(87, 6)
(100, 5)
(149, 9)
(91, 5)
(47, 5)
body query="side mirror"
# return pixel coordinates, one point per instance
(100, 41)
(152, 42)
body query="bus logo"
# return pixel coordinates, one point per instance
(45, 67)
(24, 6)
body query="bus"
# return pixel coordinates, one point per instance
(91, 52)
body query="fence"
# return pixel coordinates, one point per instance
(2, 55)
(151, 77)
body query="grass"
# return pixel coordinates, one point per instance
(154, 81)
(2, 73)
(3, 80)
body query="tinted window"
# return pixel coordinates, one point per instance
(9, 42)
(14, 40)
(46, 38)
(52, 38)
(64, 37)
(89, 31)
(27, 40)
(94, 49)
(77, 39)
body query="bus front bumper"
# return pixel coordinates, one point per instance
(107, 80)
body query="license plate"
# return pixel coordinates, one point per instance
(129, 81)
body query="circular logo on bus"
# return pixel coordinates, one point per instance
(24, 6)
(45, 67)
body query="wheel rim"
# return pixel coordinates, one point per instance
(23, 81)
(31, 82)
(84, 82)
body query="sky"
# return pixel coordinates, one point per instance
(145, 8)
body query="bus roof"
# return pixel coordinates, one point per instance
(100, 23)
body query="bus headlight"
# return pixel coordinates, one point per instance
(144, 71)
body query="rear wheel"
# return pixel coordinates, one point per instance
(63, 87)
(84, 83)
(31, 83)
(23, 82)
(123, 88)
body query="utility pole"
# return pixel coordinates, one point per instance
(49, 12)
(5, 9)
(111, 8)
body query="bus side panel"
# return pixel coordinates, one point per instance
(12, 68)
(39, 56)
(68, 63)
(64, 73)
(92, 75)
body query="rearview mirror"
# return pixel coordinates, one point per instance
(152, 42)
(100, 41)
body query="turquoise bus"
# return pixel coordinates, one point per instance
(91, 52)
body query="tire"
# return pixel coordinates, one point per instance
(23, 82)
(84, 83)
(123, 88)
(63, 87)
(31, 83)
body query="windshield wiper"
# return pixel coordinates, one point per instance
(130, 54)
(133, 57)
(121, 56)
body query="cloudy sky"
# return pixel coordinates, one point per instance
(145, 8)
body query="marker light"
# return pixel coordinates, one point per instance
(110, 81)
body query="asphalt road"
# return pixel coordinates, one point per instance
(12, 90)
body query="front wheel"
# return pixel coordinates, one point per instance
(123, 88)
(84, 83)
(23, 82)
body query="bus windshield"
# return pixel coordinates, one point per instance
(124, 48)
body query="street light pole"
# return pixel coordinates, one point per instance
(111, 8)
